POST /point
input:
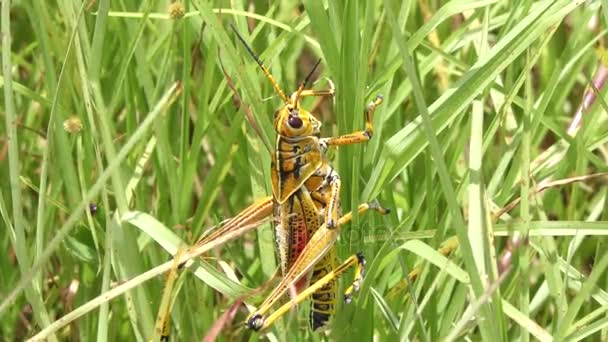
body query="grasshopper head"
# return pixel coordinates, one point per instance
(293, 121)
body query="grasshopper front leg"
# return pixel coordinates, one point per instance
(331, 177)
(320, 243)
(360, 136)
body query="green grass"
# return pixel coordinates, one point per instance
(473, 147)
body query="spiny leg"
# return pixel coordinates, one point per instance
(331, 200)
(332, 211)
(332, 178)
(353, 260)
(323, 300)
(361, 136)
(319, 244)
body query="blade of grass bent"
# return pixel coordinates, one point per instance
(94, 191)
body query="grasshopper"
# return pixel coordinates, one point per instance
(305, 203)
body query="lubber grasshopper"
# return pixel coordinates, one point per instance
(305, 203)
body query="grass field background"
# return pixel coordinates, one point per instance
(123, 141)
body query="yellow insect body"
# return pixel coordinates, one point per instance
(301, 183)
(306, 202)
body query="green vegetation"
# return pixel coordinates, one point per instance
(490, 147)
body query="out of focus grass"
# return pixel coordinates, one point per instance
(490, 147)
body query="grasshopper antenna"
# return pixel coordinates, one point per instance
(306, 80)
(276, 86)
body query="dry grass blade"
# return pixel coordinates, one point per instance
(544, 186)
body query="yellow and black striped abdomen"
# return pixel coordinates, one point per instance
(323, 305)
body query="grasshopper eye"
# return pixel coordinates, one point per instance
(295, 121)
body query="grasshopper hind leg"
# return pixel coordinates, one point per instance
(324, 299)
(258, 319)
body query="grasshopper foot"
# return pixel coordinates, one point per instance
(375, 205)
(377, 101)
(348, 295)
(255, 322)
(331, 224)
